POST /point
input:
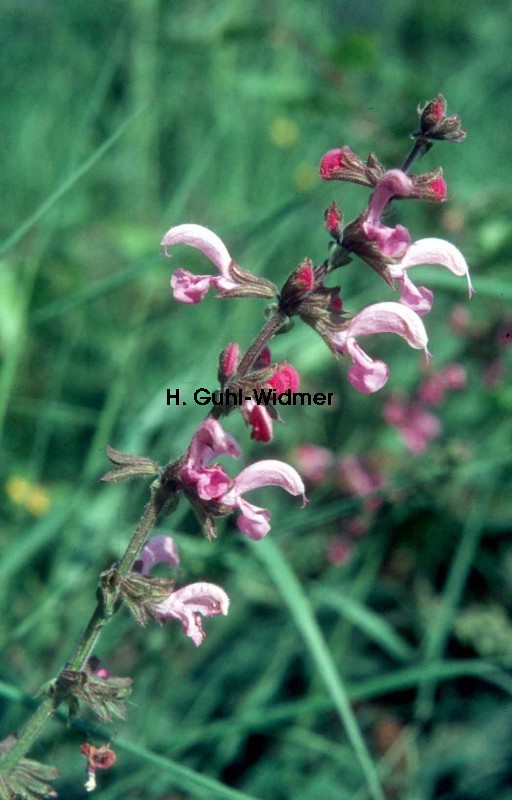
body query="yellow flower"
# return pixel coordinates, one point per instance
(31, 496)
(284, 132)
(17, 490)
(38, 501)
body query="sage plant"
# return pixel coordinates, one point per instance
(250, 383)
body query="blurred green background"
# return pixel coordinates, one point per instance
(120, 120)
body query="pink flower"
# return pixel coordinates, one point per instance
(189, 288)
(209, 441)
(285, 377)
(451, 378)
(211, 483)
(314, 462)
(254, 521)
(339, 551)
(258, 416)
(416, 425)
(392, 242)
(188, 603)
(437, 189)
(259, 420)
(360, 479)
(427, 251)
(157, 549)
(367, 375)
(332, 164)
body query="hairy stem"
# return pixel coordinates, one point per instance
(421, 146)
(88, 640)
(102, 614)
(268, 331)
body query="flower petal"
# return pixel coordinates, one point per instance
(417, 298)
(367, 375)
(189, 288)
(210, 483)
(202, 239)
(253, 521)
(188, 603)
(434, 251)
(388, 318)
(394, 183)
(159, 548)
(259, 419)
(268, 473)
(209, 441)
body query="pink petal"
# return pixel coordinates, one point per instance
(392, 242)
(259, 419)
(314, 462)
(417, 298)
(416, 425)
(210, 483)
(253, 521)
(367, 375)
(209, 441)
(189, 288)
(188, 603)
(388, 318)
(394, 183)
(434, 251)
(268, 473)
(159, 548)
(285, 377)
(202, 239)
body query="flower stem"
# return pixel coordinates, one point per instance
(102, 613)
(418, 150)
(29, 734)
(268, 331)
(88, 640)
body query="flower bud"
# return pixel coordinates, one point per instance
(228, 362)
(342, 164)
(434, 124)
(334, 221)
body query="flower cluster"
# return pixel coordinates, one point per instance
(388, 250)
(213, 493)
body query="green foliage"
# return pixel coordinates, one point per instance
(118, 123)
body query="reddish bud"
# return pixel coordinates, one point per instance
(285, 377)
(438, 188)
(305, 277)
(228, 361)
(342, 164)
(434, 124)
(264, 358)
(334, 221)
(332, 162)
(260, 421)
